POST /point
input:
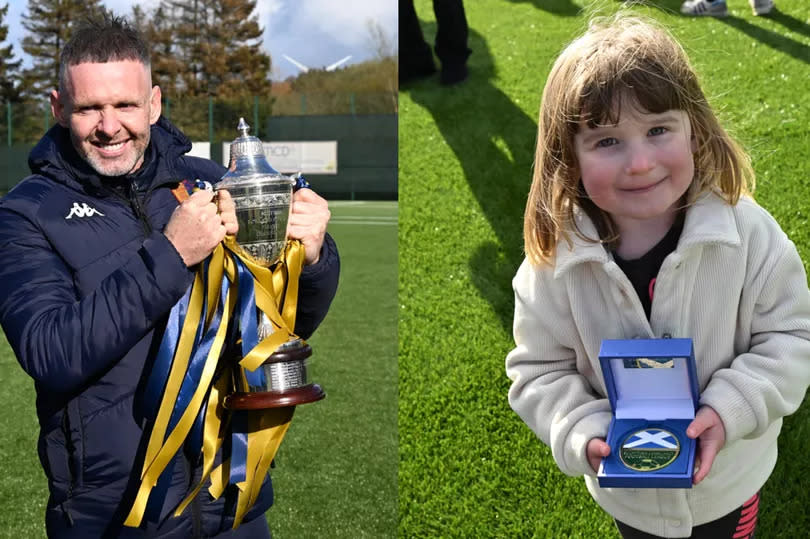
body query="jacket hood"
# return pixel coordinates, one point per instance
(55, 157)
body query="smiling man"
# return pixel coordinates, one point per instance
(97, 250)
(108, 108)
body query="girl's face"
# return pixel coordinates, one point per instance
(637, 170)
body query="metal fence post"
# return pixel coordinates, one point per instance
(211, 120)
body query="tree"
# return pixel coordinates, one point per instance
(180, 26)
(50, 23)
(382, 45)
(9, 91)
(158, 29)
(215, 48)
(236, 64)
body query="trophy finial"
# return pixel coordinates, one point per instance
(243, 127)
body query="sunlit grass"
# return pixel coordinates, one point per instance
(468, 466)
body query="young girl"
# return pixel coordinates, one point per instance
(639, 224)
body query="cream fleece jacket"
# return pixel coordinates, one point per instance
(736, 286)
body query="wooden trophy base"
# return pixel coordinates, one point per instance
(274, 399)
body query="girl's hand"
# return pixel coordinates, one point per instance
(708, 428)
(596, 450)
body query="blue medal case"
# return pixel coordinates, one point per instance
(652, 386)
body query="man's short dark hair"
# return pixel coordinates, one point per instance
(107, 38)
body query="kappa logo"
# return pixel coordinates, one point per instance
(82, 210)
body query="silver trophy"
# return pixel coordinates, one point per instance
(263, 199)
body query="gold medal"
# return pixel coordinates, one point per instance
(649, 449)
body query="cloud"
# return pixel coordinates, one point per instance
(348, 22)
(315, 32)
(319, 32)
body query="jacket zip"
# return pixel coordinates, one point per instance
(137, 207)
(71, 471)
(196, 509)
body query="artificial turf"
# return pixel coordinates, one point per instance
(468, 466)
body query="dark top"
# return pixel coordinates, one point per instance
(642, 271)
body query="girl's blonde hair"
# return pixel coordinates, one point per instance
(618, 57)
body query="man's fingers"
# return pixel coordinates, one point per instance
(224, 195)
(310, 196)
(225, 202)
(309, 208)
(200, 198)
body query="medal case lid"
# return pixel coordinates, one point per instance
(651, 379)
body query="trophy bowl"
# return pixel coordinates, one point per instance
(263, 198)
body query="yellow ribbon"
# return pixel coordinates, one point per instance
(276, 292)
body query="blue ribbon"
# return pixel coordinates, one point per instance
(239, 430)
(154, 391)
(163, 362)
(300, 182)
(248, 332)
(248, 323)
(194, 372)
(160, 374)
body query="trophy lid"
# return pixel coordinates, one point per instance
(247, 161)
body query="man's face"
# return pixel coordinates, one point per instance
(108, 108)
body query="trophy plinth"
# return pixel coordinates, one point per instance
(263, 199)
(285, 375)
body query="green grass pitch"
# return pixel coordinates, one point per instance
(468, 466)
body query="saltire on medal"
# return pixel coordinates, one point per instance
(651, 439)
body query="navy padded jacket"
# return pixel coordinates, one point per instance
(87, 280)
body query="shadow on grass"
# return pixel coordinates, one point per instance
(493, 140)
(566, 8)
(781, 43)
(776, 41)
(791, 23)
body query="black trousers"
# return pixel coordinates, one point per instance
(739, 524)
(451, 36)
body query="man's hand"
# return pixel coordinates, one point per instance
(227, 212)
(596, 450)
(196, 228)
(308, 219)
(708, 428)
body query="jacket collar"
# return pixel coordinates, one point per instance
(710, 220)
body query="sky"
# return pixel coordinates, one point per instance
(316, 33)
